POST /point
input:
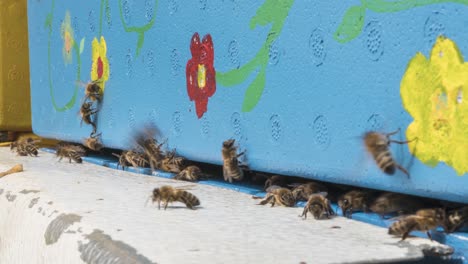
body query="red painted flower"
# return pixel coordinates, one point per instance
(201, 82)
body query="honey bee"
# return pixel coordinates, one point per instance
(424, 220)
(277, 180)
(86, 111)
(282, 196)
(456, 219)
(145, 140)
(318, 205)
(168, 194)
(231, 168)
(131, 157)
(191, 173)
(377, 144)
(388, 203)
(173, 163)
(25, 147)
(302, 191)
(69, 151)
(93, 91)
(353, 201)
(93, 142)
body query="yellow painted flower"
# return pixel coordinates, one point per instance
(432, 92)
(68, 38)
(100, 67)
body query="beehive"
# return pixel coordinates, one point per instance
(296, 83)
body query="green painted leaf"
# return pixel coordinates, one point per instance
(82, 45)
(254, 92)
(352, 24)
(141, 40)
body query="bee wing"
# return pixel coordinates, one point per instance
(294, 185)
(324, 194)
(185, 187)
(272, 187)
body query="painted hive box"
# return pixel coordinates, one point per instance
(296, 83)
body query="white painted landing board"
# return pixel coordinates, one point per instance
(56, 212)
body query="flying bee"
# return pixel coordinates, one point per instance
(231, 167)
(93, 142)
(456, 219)
(173, 163)
(388, 203)
(191, 173)
(277, 180)
(168, 194)
(377, 144)
(72, 152)
(93, 91)
(318, 205)
(131, 157)
(279, 195)
(424, 220)
(353, 201)
(302, 191)
(86, 111)
(145, 140)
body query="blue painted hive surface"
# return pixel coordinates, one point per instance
(296, 83)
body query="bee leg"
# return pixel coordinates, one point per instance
(159, 204)
(405, 235)
(401, 142)
(166, 204)
(393, 133)
(304, 213)
(403, 170)
(240, 154)
(273, 201)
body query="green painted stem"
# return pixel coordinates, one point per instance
(139, 30)
(71, 102)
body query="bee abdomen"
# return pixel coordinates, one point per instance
(75, 157)
(189, 199)
(385, 162)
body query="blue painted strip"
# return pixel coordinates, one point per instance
(459, 241)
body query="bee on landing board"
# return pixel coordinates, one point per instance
(70, 151)
(231, 168)
(132, 158)
(280, 196)
(25, 147)
(377, 144)
(173, 163)
(93, 142)
(388, 203)
(318, 205)
(353, 201)
(191, 173)
(168, 194)
(424, 220)
(455, 219)
(146, 141)
(302, 191)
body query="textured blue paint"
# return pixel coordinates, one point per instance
(320, 95)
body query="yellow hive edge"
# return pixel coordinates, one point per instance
(15, 101)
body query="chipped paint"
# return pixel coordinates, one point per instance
(50, 202)
(1, 191)
(29, 191)
(58, 226)
(101, 248)
(33, 202)
(10, 197)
